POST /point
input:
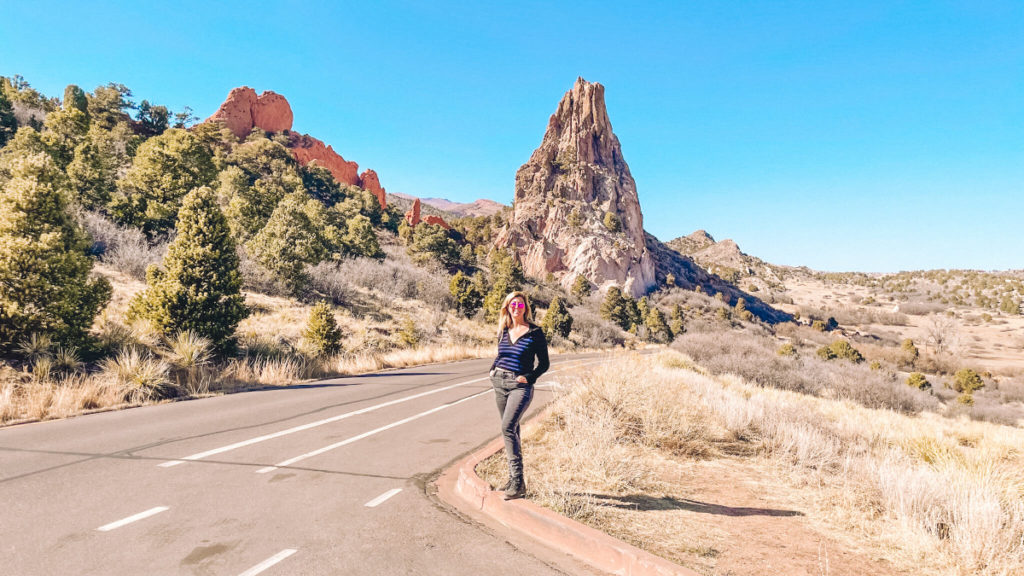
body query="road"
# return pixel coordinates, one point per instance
(322, 478)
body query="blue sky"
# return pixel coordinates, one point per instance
(872, 136)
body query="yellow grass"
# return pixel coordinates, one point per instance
(932, 495)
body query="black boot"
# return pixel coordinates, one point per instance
(516, 488)
(506, 485)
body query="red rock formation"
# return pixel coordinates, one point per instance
(431, 219)
(307, 149)
(243, 110)
(271, 112)
(368, 181)
(412, 217)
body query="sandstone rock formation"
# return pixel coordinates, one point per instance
(244, 110)
(572, 185)
(412, 217)
(368, 181)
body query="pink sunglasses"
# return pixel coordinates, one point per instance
(517, 305)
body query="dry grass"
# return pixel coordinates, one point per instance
(931, 494)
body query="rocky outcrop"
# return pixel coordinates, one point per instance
(412, 217)
(368, 181)
(243, 110)
(576, 210)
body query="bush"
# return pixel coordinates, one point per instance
(557, 320)
(581, 288)
(612, 222)
(198, 288)
(967, 381)
(321, 333)
(45, 282)
(919, 381)
(298, 233)
(909, 352)
(786, 349)
(432, 243)
(840, 349)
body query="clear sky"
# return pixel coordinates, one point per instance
(871, 136)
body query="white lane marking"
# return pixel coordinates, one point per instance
(320, 451)
(380, 499)
(268, 562)
(258, 439)
(135, 518)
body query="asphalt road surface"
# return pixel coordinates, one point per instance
(323, 478)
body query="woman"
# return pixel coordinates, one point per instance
(520, 344)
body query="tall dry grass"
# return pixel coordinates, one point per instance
(933, 495)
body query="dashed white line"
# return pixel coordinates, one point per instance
(382, 498)
(130, 519)
(268, 562)
(320, 451)
(258, 439)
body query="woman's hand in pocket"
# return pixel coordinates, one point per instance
(521, 379)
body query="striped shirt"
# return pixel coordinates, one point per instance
(518, 357)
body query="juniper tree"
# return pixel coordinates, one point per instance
(8, 123)
(655, 322)
(45, 282)
(506, 276)
(616, 308)
(165, 169)
(676, 323)
(198, 286)
(321, 332)
(97, 161)
(360, 239)
(581, 288)
(299, 232)
(557, 319)
(468, 298)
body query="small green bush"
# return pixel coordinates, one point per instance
(967, 381)
(557, 319)
(786, 349)
(919, 381)
(840, 349)
(468, 298)
(612, 222)
(322, 334)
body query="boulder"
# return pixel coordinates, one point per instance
(243, 110)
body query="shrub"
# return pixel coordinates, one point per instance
(298, 233)
(557, 320)
(612, 222)
(321, 333)
(967, 381)
(676, 323)
(655, 322)
(908, 352)
(919, 381)
(141, 376)
(786, 349)
(468, 298)
(408, 335)
(45, 282)
(360, 239)
(818, 325)
(840, 349)
(198, 287)
(506, 276)
(432, 243)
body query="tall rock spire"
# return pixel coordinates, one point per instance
(576, 210)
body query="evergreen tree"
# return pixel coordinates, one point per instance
(676, 323)
(98, 159)
(321, 184)
(322, 333)
(909, 352)
(26, 142)
(165, 169)
(8, 123)
(655, 322)
(294, 237)
(467, 295)
(64, 129)
(198, 287)
(108, 105)
(260, 173)
(151, 120)
(643, 308)
(45, 283)
(616, 308)
(360, 239)
(557, 319)
(74, 97)
(581, 288)
(432, 243)
(506, 276)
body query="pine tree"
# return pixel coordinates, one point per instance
(198, 287)
(581, 288)
(615, 308)
(8, 123)
(294, 237)
(506, 276)
(360, 239)
(676, 323)
(165, 169)
(45, 283)
(98, 159)
(322, 333)
(557, 319)
(655, 322)
(467, 297)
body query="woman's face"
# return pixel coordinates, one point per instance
(517, 308)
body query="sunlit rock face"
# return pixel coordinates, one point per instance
(576, 210)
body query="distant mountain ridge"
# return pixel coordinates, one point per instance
(724, 258)
(481, 207)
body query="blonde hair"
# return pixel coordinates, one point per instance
(505, 319)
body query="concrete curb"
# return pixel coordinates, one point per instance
(460, 487)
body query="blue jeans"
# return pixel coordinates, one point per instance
(512, 398)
